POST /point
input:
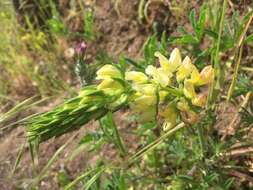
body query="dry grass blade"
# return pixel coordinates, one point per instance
(52, 160)
(20, 107)
(239, 49)
(20, 154)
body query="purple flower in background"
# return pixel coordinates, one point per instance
(81, 48)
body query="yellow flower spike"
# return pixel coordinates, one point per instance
(189, 90)
(200, 100)
(108, 71)
(159, 75)
(136, 77)
(185, 69)
(170, 115)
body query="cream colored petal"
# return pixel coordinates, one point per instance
(185, 69)
(189, 90)
(164, 62)
(200, 100)
(195, 76)
(137, 77)
(110, 86)
(175, 60)
(108, 71)
(151, 70)
(159, 75)
(170, 115)
(207, 75)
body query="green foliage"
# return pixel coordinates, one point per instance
(151, 46)
(243, 86)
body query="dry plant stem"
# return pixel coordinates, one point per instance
(140, 10)
(147, 5)
(235, 75)
(239, 152)
(238, 48)
(244, 31)
(241, 175)
(249, 69)
(215, 86)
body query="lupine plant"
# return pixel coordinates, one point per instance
(168, 100)
(167, 92)
(167, 97)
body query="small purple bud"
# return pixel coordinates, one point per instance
(81, 48)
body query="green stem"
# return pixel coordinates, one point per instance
(235, 75)
(154, 144)
(215, 86)
(119, 141)
(201, 140)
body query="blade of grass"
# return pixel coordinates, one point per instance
(93, 179)
(52, 160)
(19, 107)
(154, 144)
(20, 154)
(79, 178)
(18, 111)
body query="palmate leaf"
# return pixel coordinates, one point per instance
(90, 104)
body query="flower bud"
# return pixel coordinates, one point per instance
(81, 48)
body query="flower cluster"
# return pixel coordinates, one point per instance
(168, 91)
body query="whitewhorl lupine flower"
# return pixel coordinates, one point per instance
(167, 91)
